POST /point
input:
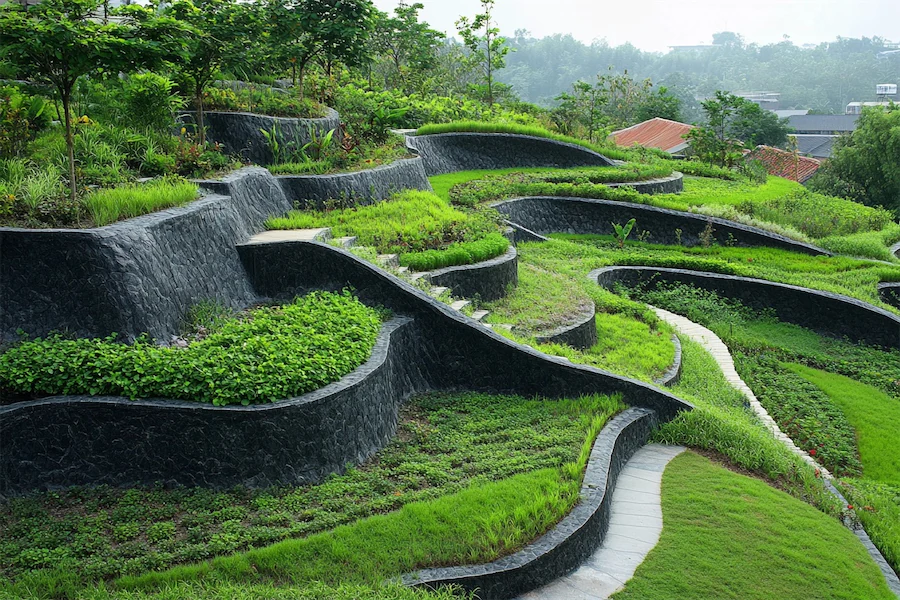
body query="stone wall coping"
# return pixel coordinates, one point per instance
(573, 539)
(797, 245)
(673, 373)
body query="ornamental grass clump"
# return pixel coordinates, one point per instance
(264, 355)
(111, 205)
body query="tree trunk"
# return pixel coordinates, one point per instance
(70, 143)
(201, 127)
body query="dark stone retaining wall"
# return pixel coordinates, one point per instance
(64, 441)
(673, 184)
(451, 152)
(889, 293)
(673, 374)
(489, 280)
(573, 540)
(582, 334)
(240, 132)
(456, 351)
(138, 275)
(828, 313)
(545, 214)
(364, 187)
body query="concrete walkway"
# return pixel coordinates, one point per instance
(634, 530)
(715, 346)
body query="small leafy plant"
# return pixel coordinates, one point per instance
(622, 231)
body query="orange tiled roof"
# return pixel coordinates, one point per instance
(655, 133)
(784, 164)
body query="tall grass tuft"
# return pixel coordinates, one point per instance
(111, 205)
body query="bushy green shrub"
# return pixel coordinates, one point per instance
(268, 354)
(21, 118)
(151, 101)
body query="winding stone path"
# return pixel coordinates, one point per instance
(634, 530)
(715, 346)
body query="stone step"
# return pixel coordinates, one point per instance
(437, 291)
(322, 234)
(460, 304)
(346, 242)
(479, 315)
(402, 270)
(389, 260)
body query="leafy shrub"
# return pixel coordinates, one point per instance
(266, 355)
(21, 117)
(151, 101)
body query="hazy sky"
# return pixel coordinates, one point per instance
(657, 24)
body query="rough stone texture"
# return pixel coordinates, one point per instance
(240, 132)
(674, 184)
(673, 374)
(582, 334)
(889, 293)
(451, 152)
(488, 280)
(138, 275)
(363, 187)
(831, 314)
(459, 353)
(573, 540)
(523, 234)
(65, 441)
(545, 214)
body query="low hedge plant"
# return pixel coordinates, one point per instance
(264, 355)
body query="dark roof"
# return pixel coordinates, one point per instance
(816, 146)
(784, 164)
(817, 123)
(656, 133)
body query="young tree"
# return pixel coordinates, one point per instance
(866, 164)
(713, 142)
(218, 31)
(410, 47)
(487, 48)
(59, 41)
(581, 110)
(662, 104)
(301, 30)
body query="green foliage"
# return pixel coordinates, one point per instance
(754, 527)
(262, 100)
(457, 253)
(267, 355)
(151, 101)
(447, 444)
(864, 165)
(407, 48)
(621, 232)
(111, 205)
(364, 155)
(877, 506)
(410, 221)
(487, 49)
(269, 591)
(21, 117)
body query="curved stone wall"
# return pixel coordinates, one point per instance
(457, 352)
(64, 441)
(241, 132)
(451, 152)
(548, 214)
(673, 373)
(889, 293)
(582, 334)
(362, 187)
(674, 184)
(573, 540)
(488, 280)
(135, 276)
(828, 313)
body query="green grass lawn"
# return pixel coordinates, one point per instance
(727, 535)
(484, 473)
(874, 415)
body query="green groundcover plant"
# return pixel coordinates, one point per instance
(263, 355)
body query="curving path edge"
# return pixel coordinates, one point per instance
(635, 524)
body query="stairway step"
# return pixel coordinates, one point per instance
(479, 315)
(437, 291)
(389, 260)
(346, 241)
(460, 304)
(322, 234)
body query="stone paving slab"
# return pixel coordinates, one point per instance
(634, 529)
